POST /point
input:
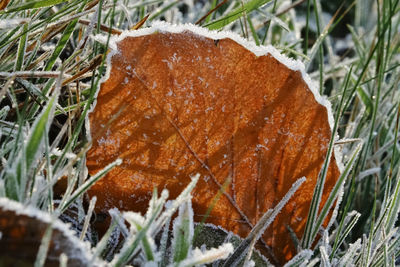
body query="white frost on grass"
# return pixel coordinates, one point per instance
(183, 229)
(198, 257)
(13, 22)
(301, 258)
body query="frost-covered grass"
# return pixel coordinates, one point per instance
(50, 67)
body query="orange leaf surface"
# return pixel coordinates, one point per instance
(3, 4)
(178, 102)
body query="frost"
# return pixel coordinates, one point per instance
(368, 172)
(172, 206)
(301, 258)
(199, 257)
(351, 251)
(250, 263)
(12, 23)
(183, 230)
(169, 64)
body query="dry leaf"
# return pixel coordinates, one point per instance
(22, 230)
(3, 4)
(176, 103)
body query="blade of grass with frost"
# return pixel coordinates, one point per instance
(261, 226)
(30, 152)
(366, 99)
(32, 89)
(237, 13)
(365, 259)
(21, 49)
(319, 187)
(328, 29)
(213, 5)
(394, 206)
(15, 176)
(253, 31)
(381, 245)
(8, 36)
(248, 261)
(382, 219)
(136, 221)
(63, 260)
(301, 259)
(320, 47)
(63, 40)
(132, 243)
(349, 222)
(379, 39)
(379, 69)
(152, 204)
(324, 257)
(335, 192)
(167, 214)
(183, 232)
(148, 249)
(363, 250)
(91, 97)
(101, 245)
(388, 182)
(393, 249)
(165, 7)
(348, 258)
(46, 17)
(85, 186)
(117, 217)
(44, 247)
(164, 242)
(39, 129)
(72, 179)
(88, 217)
(32, 5)
(200, 258)
(268, 24)
(49, 175)
(159, 202)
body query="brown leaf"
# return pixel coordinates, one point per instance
(190, 104)
(22, 232)
(3, 4)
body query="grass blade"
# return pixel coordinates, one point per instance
(237, 13)
(32, 5)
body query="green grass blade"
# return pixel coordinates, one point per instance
(253, 31)
(21, 49)
(32, 5)
(163, 10)
(183, 232)
(318, 190)
(63, 40)
(132, 243)
(335, 192)
(342, 235)
(38, 132)
(237, 13)
(85, 186)
(365, 98)
(61, 44)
